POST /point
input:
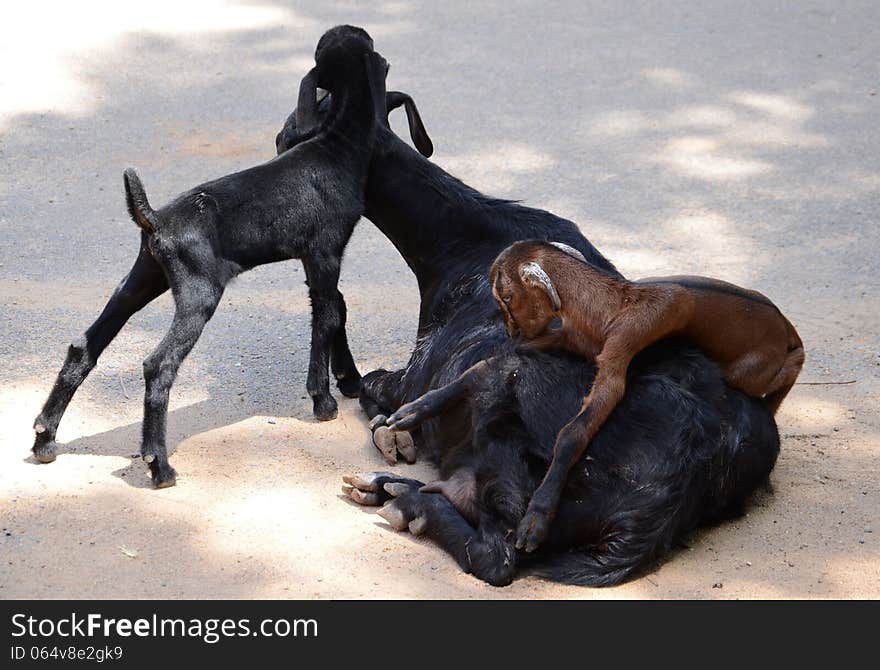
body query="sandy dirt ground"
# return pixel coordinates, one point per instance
(735, 139)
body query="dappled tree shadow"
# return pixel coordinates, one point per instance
(678, 140)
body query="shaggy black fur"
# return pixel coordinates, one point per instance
(681, 449)
(302, 204)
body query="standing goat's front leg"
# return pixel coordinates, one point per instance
(571, 443)
(194, 306)
(322, 275)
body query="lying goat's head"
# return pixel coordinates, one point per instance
(524, 290)
(336, 48)
(341, 51)
(344, 62)
(291, 135)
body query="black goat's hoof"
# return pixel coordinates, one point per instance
(418, 525)
(325, 409)
(361, 497)
(407, 509)
(45, 452)
(394, 515)
(532, 530)
(366, 488)
(412, 414)
(349, 385)
(163, 476)
(405, 446)
(369, 488)
(390, 443)
(376, 421)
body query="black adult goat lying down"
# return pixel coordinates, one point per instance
(303, 204)
(680, 451)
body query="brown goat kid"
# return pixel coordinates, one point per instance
(552, 298)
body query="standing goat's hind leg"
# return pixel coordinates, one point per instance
(143, 283)
(194, 306)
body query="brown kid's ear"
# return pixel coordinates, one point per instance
(307, 103)
(533, 274)
(420, 138)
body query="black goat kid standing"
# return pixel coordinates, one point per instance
(302, 204)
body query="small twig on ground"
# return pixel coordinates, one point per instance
(122, 384)
(849, 381)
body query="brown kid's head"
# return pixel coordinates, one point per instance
(524, 289)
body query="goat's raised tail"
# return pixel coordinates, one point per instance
(138, 205)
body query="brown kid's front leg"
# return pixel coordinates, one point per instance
(571, 443)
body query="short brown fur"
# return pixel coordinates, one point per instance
(565, 303)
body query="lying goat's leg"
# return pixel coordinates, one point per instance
(472, 521)
(348, 379)
(486, 551)
(436, 402)
(322, 274)
(369, 488)
(503, 475)
(194, 306)
(395, 438)
(572, 442)
(143, 283)
(460, 488)
(381, 393)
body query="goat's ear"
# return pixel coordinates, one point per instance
(533, 274)
(377, 68)
(307, 103)
(417, 131)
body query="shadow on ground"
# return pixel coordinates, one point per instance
(737, 141)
